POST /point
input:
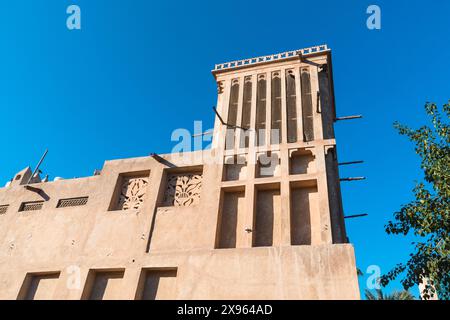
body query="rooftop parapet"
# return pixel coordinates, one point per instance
(270, 58)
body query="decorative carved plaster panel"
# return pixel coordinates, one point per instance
(183, 190)
(132, 193)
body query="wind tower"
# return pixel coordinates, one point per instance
(280, 182)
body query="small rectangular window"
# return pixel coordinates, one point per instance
(73, 202)
(4, 208)
(31, 206)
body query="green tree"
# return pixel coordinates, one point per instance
(428, 216)
(396, 295)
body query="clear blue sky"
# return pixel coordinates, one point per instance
(140, 69)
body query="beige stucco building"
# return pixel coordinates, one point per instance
(256, 216)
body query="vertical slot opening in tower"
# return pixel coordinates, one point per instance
(261, 110)
(246, 112)
(232, 114)
(291, 107)
(307, 107)
(275, 132)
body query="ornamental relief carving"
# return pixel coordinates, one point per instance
(132, 193)
(183, 190)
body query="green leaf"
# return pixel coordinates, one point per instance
(429, 215)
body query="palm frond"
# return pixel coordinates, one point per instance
(396, 295)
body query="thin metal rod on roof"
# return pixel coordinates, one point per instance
(359, 116)
(37, 167)
(350, 162)
(356, 216)
(226, 124)
(352, 179)
(156, 157)
(161, 160)
(304, 60)
(206, 133)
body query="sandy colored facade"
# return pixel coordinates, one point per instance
(257, 216)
